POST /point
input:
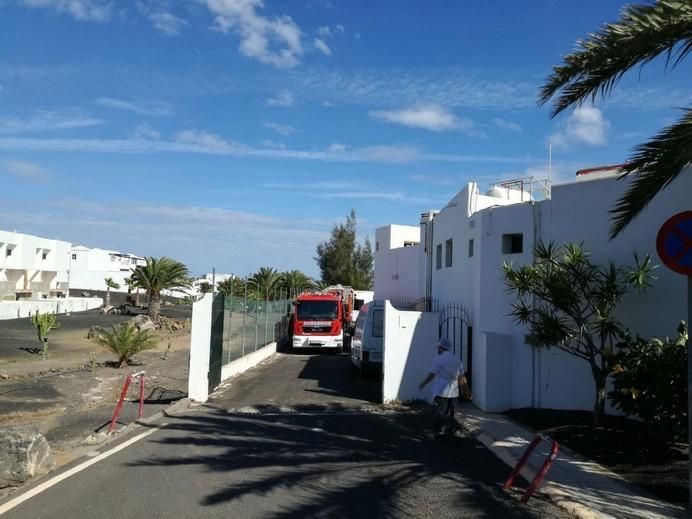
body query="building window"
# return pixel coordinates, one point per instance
(377, 246)
(471, 248)
(74, 256)
(378, 323)
(449, 250)
(438, 258)
(410, 243)
(8, 252)
(44, 256)
(512, 243)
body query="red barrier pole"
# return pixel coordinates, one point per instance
(120, 403)
(541, 474)
(141, 396)
(522, 462)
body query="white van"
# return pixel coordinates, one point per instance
(366, 345)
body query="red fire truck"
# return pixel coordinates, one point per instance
(322, 319)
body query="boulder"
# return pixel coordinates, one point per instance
(142, 323)
(24, 453)
(94, 332)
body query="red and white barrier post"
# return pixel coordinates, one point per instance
(123, 394)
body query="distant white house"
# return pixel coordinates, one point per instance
(457, 259)
(32, 267)
(89, 268)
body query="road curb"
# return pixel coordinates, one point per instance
(561, 498)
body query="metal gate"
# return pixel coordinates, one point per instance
(455, 324)
(216, 342)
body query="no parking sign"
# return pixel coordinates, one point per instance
(674, 243)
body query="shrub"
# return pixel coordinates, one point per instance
(650, 381)
(44, 324)
(126, 341)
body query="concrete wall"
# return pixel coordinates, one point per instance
(19, 309)
(397, 273)
(409, 341)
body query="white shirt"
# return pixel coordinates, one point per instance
(447, 369)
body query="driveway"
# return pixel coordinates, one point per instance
(298, 436)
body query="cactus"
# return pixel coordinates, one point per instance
(44, 323)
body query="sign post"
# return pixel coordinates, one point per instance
(674, 247)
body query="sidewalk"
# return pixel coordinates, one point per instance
(585, 489)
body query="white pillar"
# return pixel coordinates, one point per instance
(200, 343)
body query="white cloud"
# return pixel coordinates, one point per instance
(281, 129)
(435, 180)
(202, 142)
(45, 121)
(284, 98)
(154, 108)
(187, 233)
(325, 31)
(167, 22)
(146, 132)
(321, 46)
(504, 124)
(428, 117)
(275, 41)
(23, 169)
(586, 125)
(83, 10)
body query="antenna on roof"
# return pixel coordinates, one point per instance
(550, 161)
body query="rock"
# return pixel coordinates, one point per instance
(107, 309)
(24, 453)
(4, 376)
(94, 332)
(96, 438)
(142, 323)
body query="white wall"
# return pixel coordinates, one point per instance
(409, 348)
(200, 342)
(26, 308)
(397, 273)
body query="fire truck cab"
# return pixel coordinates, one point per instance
(318, 321)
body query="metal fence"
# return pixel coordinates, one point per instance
(251, 323)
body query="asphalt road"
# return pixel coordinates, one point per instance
(331, 457)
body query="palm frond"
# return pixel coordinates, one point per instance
(655, 164)
(643, 33)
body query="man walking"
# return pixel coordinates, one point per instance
(448, 376)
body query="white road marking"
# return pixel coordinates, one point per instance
(74, 470)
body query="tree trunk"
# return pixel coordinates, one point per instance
(154, 306)
(108, 297)
(599, 404)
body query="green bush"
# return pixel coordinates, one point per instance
(650, 382)
(44, 324)
(126, 341)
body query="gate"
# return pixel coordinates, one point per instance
(216, 342)
(455, 324)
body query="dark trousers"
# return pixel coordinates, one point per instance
(444, 421)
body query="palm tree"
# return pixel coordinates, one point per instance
(294, 281)
(643, 33)
(266, 279)
(110, 283)
(227, 286)
(157, 275)
(126, 341)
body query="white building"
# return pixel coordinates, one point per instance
(460, 251)
(32, 267)
(89, 268)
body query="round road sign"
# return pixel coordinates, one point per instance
(674, 243)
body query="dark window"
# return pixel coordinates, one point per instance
(357, 303)
(410, 243)
(378, 323)
(74, 256)
(8, 252)
(315, 310)
(512, 243)
(449, 251)
(438, 259)
(377, 246)
(471, 248)
(44, 255)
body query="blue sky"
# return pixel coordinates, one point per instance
(235, 133)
